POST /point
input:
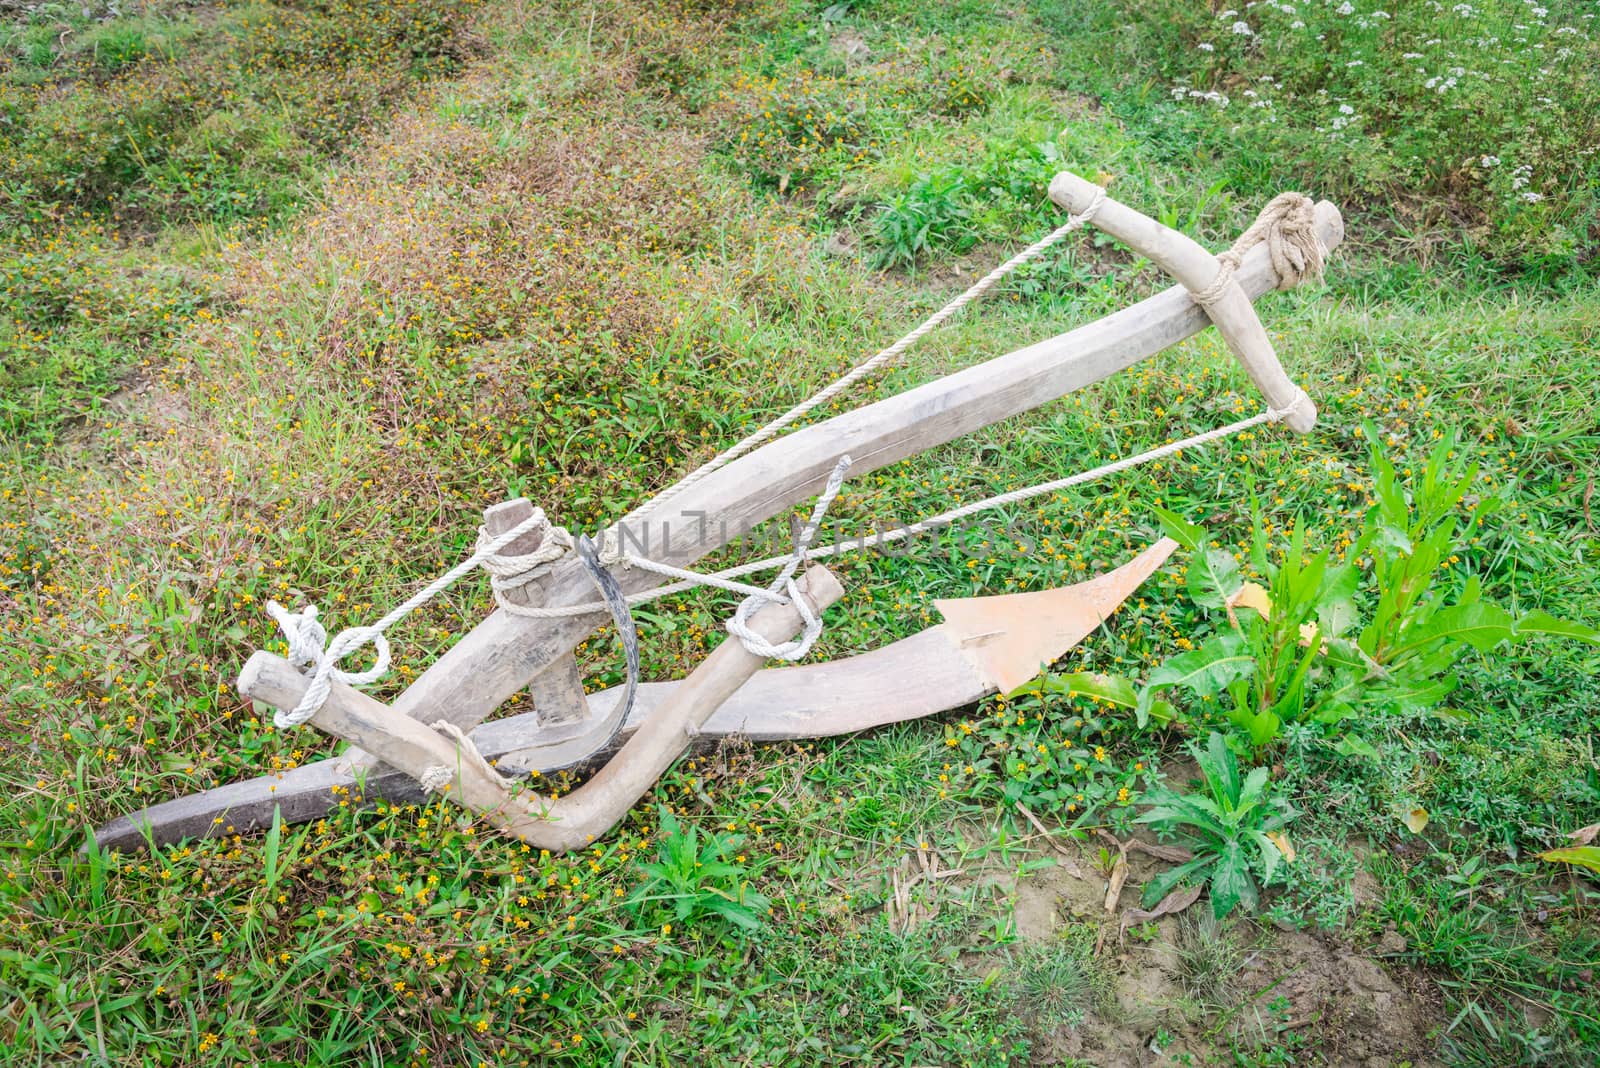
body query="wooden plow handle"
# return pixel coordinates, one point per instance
(577, 819)
(1232, 311)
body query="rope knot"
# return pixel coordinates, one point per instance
(1288, 227)
(437, 778)
(785, 590)
(309, 647)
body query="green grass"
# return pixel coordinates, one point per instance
(176, 129)
(571, 268)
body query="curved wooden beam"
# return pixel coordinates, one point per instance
(1194, 268)
(556, 823)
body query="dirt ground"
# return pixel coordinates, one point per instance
(1295, 997)
(1358, 1010)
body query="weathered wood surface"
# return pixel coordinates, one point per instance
(557, 691)
(1194, 268)
(586, 813)
(577, 819)
(934, 671)
(503, 652)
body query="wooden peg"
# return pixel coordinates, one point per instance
(557, 691)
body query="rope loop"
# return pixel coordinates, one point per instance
(794, 649)
(309, 648)
(784, 590)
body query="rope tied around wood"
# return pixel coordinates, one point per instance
(309, 646)
(508, 572)
(1288, 227)
(739, 623)
(436, 778)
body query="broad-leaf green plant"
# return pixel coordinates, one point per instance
(1325, 639)
(1228, 826)
(692, 880)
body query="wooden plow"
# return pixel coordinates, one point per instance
(436, 738)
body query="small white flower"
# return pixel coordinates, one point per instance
(1228, 14)
(1356, 63)
(1345, 8)
(1346, 109)
(1297, 25)
(1412, 55)
(1206, 46)
(1532, 197)
(1241, 29)
(1489, 161)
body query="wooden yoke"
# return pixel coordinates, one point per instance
(1196, 269)
(577, 819)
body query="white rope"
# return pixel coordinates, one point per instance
(436, 778)
(308, 639)
(696, 578)
(1280, 225)
(884, 356)
(511, 572)
(308, 645)
(811, 623)
(725, 578)
(1016, 496)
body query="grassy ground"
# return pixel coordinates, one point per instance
(424, 258)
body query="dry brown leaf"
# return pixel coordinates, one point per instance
(1286, 847)
(1055, 843)
(1584, 835)
(1416, 819)
(1119, 875)
(1253, 596)
(1170, 905)
(1170, 854)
